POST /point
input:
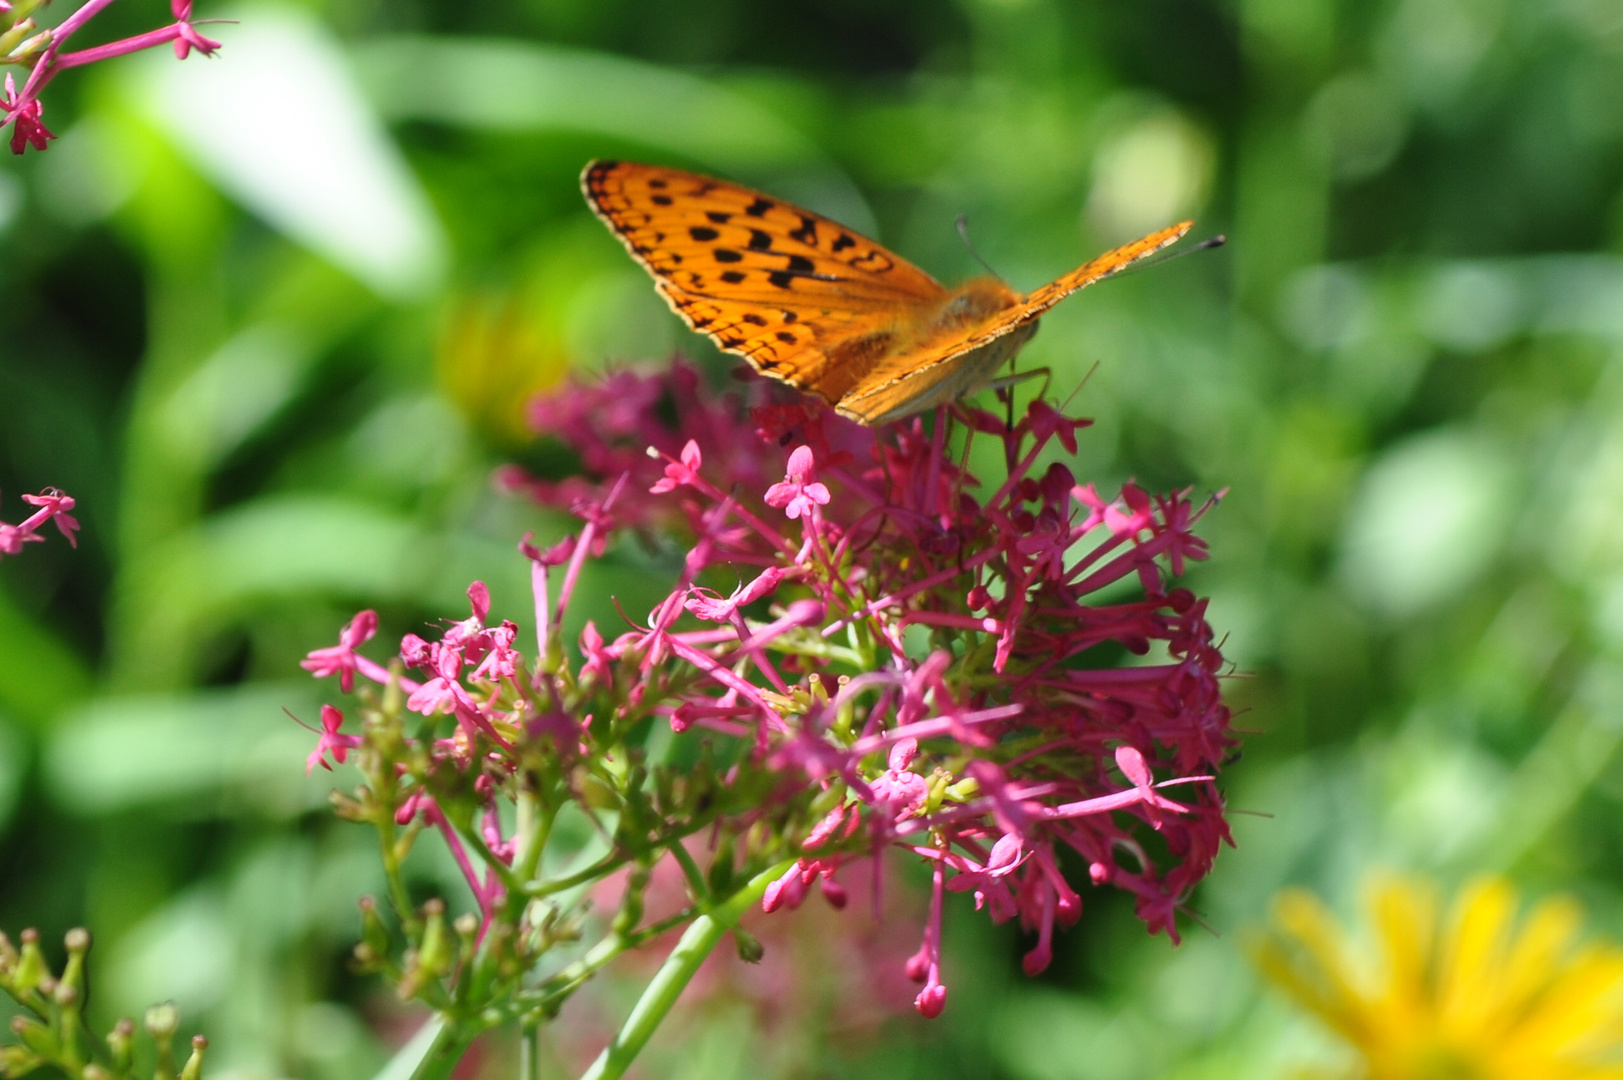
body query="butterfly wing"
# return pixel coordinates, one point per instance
(937, 372)
(794, 293)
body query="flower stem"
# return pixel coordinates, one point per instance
(529, 1053)
(672, 978)
(431, 1054)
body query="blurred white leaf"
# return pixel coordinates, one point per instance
(1150, 175)
(120, 753)
(235, 390)
(1427, 519)
(183, 952)
(276, 119)
(514, 86)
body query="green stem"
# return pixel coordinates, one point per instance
(529, 1053)
(602, 867)
(696, 882)
(431, 1054)
(672, 978)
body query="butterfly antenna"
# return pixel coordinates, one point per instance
(963, 231)
(1079, 386)
(1156, 260)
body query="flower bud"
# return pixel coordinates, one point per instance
(374, 935)
(466, 926)
(19, 30)
(36, 1036)
(931, 1000)
(719, 875)
(30, 970)
(194, 1064)
(18, 1061)
(434, 956)
(750, 949)
(77, 942)
(161, 1022)
(121, 1041)
(630, 913)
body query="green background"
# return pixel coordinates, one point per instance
(270, 318)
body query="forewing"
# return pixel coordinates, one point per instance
(779, 285)
(712, 238)
(918, 374)
(1040, 300)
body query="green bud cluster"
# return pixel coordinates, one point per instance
(21, 40)
(51, 1032)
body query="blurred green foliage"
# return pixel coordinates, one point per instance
(273, 315)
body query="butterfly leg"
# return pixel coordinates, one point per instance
(1005, 390)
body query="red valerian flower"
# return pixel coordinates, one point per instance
(332, 741)
(920, 671)
(27, 127)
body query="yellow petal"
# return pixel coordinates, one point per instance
(1405, 917)
(1536, 956)
(1472, 954)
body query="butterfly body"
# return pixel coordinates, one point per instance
(814, 304)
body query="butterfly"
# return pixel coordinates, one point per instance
(821, 307)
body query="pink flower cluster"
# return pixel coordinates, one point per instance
(43, 53)
(53, 506)
(980, 680)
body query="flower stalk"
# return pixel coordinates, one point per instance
(40, 52)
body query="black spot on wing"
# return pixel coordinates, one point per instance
(703, 233)
(786, 337)
(656, 183)
(789, 316)
(720, 217)
(660, 200)
(760, 241)
(757, 320)
(781, 278)
(807, 233)
(842, 242)
(875, 262)
(759, 207)
(801, 265)
(733, 277)
(727, 255)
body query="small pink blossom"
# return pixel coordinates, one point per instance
(443, 692)
(341, 659)
(798, 494)
(27, 127)
(707, 605)
(53, 506)
(331, 741)
(680, 473)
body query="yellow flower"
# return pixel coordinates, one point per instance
(1474, 997)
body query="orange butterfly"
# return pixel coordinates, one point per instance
(816, 305)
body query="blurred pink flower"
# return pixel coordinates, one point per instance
(53, 506)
